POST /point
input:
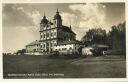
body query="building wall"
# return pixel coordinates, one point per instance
(52, 34)
(87, 51)
(64, 47)
(32, 48)
(52, 37)
(67, 47)
(48, 36)
(48, 45)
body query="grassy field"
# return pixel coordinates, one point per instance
(45, 67)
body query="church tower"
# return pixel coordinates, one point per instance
(57, 19)
(44, 21)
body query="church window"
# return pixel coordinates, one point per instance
(55, 22)
(51, 44)
(47, 44)
(64, 48)
(47, 34)
(54, 33)
(51, 34)
(54, 44)
(44, 35)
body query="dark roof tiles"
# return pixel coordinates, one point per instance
(67, 29)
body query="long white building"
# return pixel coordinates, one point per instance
(33, 47)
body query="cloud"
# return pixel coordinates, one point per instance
(15, 15)
(73, 20)
(19, 27)
(90, 16)
(21, 21)
(36, 17)
(69, 19)
(15, 38)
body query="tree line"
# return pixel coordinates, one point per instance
(115, 38)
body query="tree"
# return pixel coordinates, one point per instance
(117, 37)
(95, 36)
(21, 52)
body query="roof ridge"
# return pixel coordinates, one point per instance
(34, 42)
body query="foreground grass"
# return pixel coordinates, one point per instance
(70, 68)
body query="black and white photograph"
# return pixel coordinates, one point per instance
(64, 40)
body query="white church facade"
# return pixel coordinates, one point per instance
(54, 36)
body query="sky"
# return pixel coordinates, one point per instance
(20, 22)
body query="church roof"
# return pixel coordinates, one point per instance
(57, 16)
(67, 29)
(44, 20)
(34, 43)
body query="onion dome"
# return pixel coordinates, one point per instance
(44, 20)
(57, 16)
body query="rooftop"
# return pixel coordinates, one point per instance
(34, 43)
(67, 29)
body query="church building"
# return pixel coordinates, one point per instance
(53, 33)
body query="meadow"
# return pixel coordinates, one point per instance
(63, 67)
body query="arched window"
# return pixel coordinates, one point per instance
(54, 33)
(44, 45)
(44, 35)
(47, 44)
(51, 34)
(47, 34)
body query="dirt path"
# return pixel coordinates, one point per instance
(95, 61)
